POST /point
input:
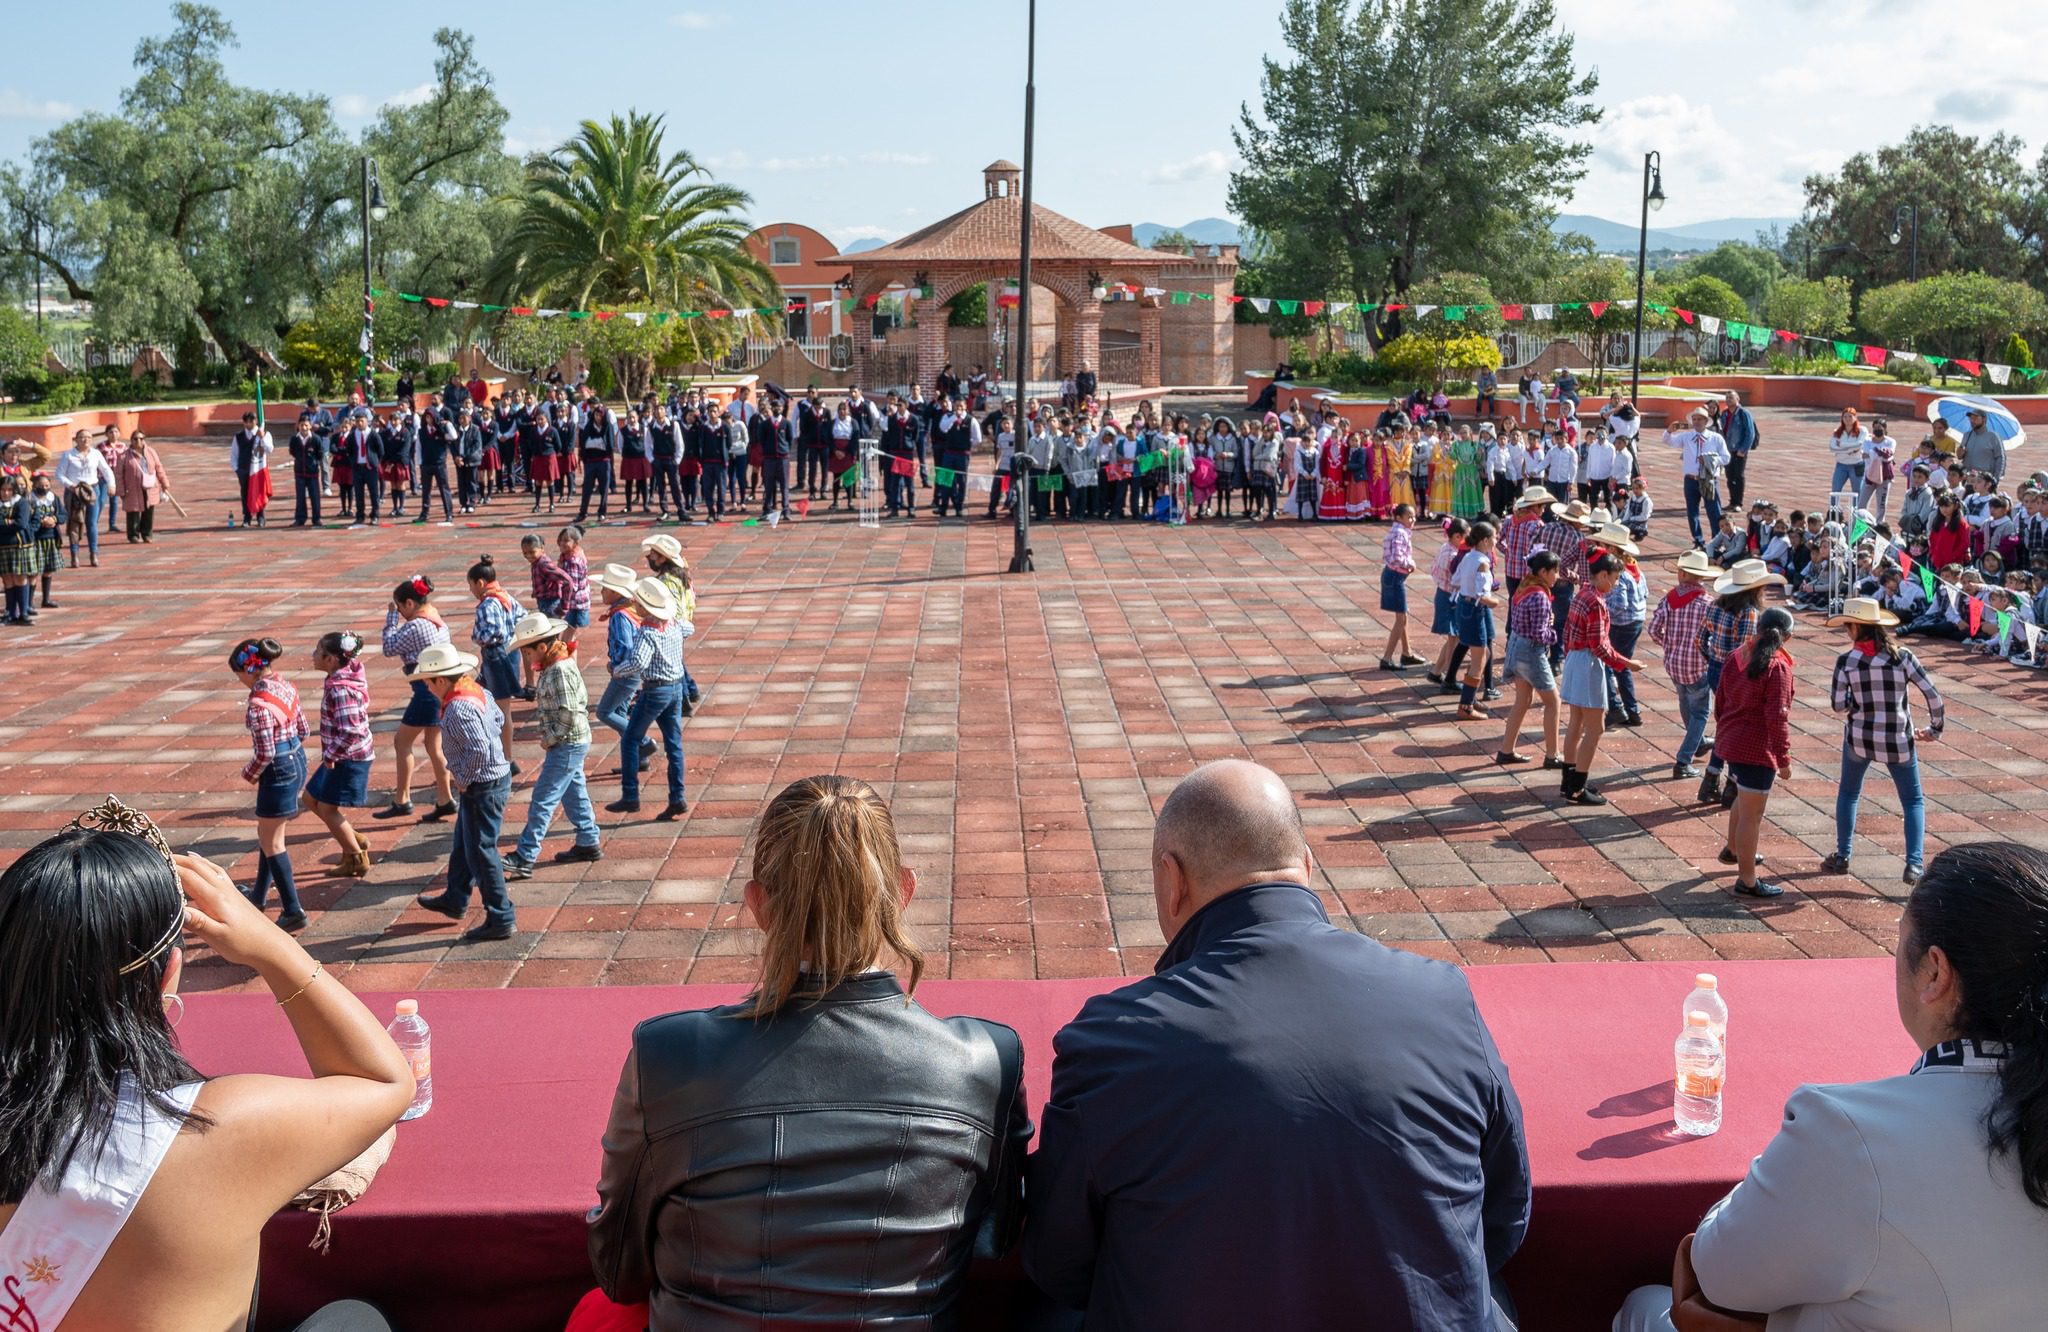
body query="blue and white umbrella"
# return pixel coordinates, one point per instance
(1954, 411)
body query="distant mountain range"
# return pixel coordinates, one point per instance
(1202, 231)
(855, 247)
(1619, 237)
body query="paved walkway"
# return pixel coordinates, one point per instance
(1025, 730)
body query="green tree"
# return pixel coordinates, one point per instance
(328, 341)
(1424, 358)
(1750, 270)
(1175, 240)
(1405, 137)
(1703, 294)
(1799, 306)
(1955, 314)
(969, 309)
(610, 219)
(21, 347)
(1454, 291)
(1589, 300)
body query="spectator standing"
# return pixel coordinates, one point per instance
(1486, 392)
(1845, 447)
(1738, 428)
(1703, 457)
(142, 481)
(1390, 1172)
(1981, 450)
(81, 471)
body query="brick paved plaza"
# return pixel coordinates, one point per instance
(1024, 729)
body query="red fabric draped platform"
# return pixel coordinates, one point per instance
(476, 1222)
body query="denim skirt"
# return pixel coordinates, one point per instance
(499, 673)
(1475, 623)
(422, 709)
(1441, 621)
(344, 782)
(278, 785)
(1393, 592)
(1530, 660)
(1585, 681)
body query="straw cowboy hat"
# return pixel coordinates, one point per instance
(1696, 563)
(1577, 513)
(1534, 496)
(1745, 575)
(533, 627)
(1862, 610)
(652, 595)
(665, 545)
(617, 578)
(442, 660)
(1599, 518)
(1614, 537)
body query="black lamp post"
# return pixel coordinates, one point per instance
(1653, 197)
(1020, 452)
(373, 211)
(1908, 216)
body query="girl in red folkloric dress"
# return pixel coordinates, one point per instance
(1330, 504)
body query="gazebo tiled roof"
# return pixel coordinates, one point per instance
(990, 231)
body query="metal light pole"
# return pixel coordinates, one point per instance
(1020, 453)
(1653, 197)
(373, 211)
(1906, 211)
(35, 244)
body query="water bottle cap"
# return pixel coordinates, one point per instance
(1705, 981)
(408, 1007)
(1698, 1019)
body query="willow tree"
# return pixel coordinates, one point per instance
(610, 220)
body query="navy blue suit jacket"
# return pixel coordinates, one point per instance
(1288, 1126)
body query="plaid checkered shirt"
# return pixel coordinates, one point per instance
(1561, 539)
(345, 715)
(551, 583)
(1871, 687)
(578, 569)
(406, 639)
(1724, 630)
(1588, 627)
(1530, 616)
(273, 724)
(1398, 551)
(1675, 626)
(1520, 537)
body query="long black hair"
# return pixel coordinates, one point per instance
(74, 911)
(1773, 627)
(1985, 904)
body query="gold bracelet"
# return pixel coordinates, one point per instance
(317, 969)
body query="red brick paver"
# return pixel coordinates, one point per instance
(1025, 729)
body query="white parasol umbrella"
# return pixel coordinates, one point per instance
(1954, 410)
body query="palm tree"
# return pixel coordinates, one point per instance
(608, 220)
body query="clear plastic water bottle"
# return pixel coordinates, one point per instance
(1696, 1104)
(409, 1029)
(1706, 998)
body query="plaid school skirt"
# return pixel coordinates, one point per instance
(21, 560)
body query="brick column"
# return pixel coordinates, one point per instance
(863, 337)
(1081, 338)
(1148, 344)
(931, 342)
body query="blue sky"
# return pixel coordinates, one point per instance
(902, 102)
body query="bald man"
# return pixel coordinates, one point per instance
(1287, 1125)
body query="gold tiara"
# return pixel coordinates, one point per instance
(111, 815)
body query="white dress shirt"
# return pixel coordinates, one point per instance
(1691, 443)
(87, 468)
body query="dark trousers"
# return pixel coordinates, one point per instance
(369, 494)
(305, 497)
(433, 471)
(811, 473)
(711, 489)
(896, 493)
(1118, 489)
(1733, 475)
(597, 476)
(1560, 608)
(473, 861)
(1486, 403)
(774, 485)
(1621, 685)
(142, 522)
(658, 705)
(465, 484)
(668, 484)
(954, 495)
(996, 491)
(1693, 501)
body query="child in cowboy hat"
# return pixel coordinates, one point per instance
(470, 727)
(1626, 608)
(1676, 627)
(562, 711)
(665, 558)
(1731, 621)
(614, 583)
(658, 657)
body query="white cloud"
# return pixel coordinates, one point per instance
(847, 235)
(1202, 166)
(16, 105)
(357, 106)
(896, 159)
(697, 21)
(521, 142)
(819, 162)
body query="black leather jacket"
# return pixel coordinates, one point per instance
(835, 1165)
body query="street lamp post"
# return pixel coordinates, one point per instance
(1020, 453)
(1653, 197)
(1909, 215)
(373, 211)
(35, 245)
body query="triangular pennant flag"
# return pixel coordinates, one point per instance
(1937, 361)
(1539, 311)
(1455, 313)
(1572, 305)
(1685, 316)
(602, 315)
(2030, 375)
(1511, 312)
(849, 478)
(438, 302)
(2033, 636)
(1659, 309)
(579, 314)
(1203, 295)
(1845, 351)
(1393, 305)
(1759, 336)
(1182, 297)
(751, 522)
(689, 314)
(1976, 614)
(2000, 374)
(408, 296)
(1905, 562)
(1873, 356)
(716, 314)
(1927, 581)
(1422, 310)
(2004, 623)
(1628, 304)
(1969, 367)
(1905, 356)
(1288, 307)
(944, 476)
(661, 317)
(1313, 308)
(1788, 336)
(1857, 530)
(520, 310)
(1596, 308)
(1709, 324)
(1048, 484)
(379, 291)
(463, 305)
(636, 316)
(492, 308)
(1260, 303)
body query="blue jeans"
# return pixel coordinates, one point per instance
(1621, 685)
(1713, 683)
(1692, 511)
(560, 783)
(92, 522)
(1905, 779)
(473, 860)
(1695, 705)
(1847, 476)
(106, 500)
(305, 496)
(658, 705)
(615, 705)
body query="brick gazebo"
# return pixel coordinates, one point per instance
(982, 244)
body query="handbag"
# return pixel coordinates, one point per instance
(343, 1187)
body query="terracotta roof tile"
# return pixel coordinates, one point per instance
(989, 230)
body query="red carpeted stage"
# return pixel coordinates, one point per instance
(476, 1222)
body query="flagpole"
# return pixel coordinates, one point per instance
(1020, 453)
